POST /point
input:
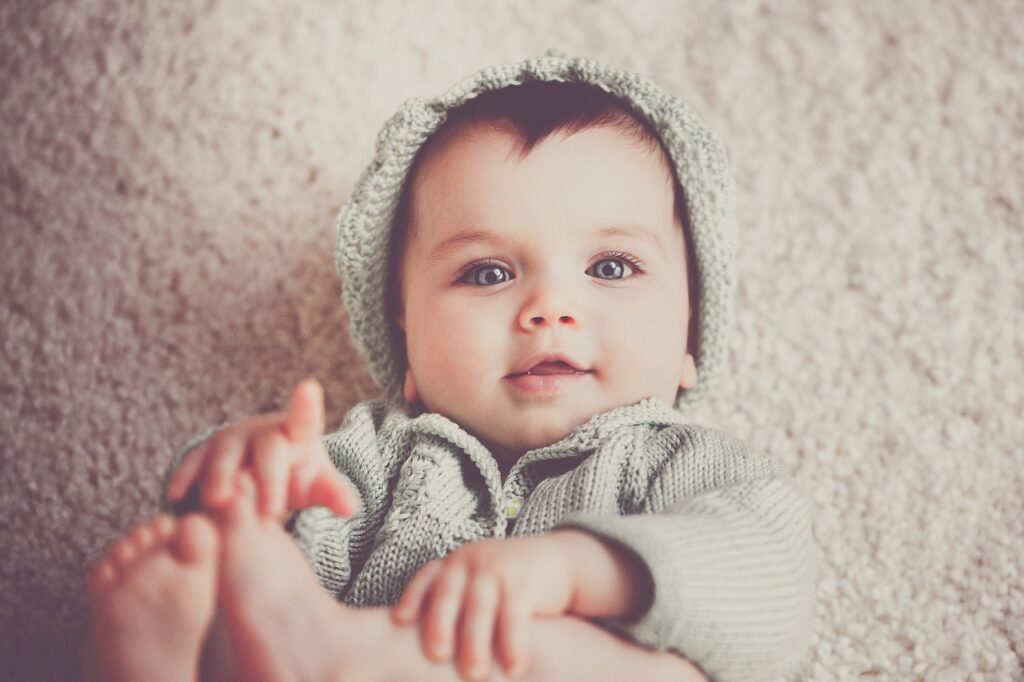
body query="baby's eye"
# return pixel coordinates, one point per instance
(614, 266)
(612, 262)
(484, 273)
(489, 273)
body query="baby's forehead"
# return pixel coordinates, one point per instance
(441, 191)
(505, 142)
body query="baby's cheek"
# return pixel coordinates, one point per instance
(639, 354)
(464, 344)
(453, 356)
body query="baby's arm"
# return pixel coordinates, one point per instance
(564, 648)
(609, 582)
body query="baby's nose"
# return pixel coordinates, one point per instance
(548, 308)
(540, 321)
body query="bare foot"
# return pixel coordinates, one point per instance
(283, 625)
(152, 601)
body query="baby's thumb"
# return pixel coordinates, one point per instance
(305, 419)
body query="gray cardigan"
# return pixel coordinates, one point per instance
(723, 531)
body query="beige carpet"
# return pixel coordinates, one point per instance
(169, 177)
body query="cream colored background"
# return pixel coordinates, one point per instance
(169, 177)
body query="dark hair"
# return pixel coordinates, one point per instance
(531, 112)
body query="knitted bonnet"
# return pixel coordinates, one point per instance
(364, 227)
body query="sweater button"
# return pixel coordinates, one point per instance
(513, 506)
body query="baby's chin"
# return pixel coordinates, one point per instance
(527, 434)
(512, 433)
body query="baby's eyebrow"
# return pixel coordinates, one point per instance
(464, 238)
(634, 231)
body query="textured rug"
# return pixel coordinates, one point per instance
(169, 178)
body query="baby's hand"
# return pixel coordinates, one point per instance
(510, 580)
(284, 453)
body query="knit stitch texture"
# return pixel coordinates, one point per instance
(723, 531)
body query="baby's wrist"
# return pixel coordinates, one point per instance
(608, 582)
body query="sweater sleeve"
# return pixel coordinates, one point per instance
(725, 537)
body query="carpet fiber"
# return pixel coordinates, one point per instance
(169, 178)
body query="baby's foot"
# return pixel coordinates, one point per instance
(152, 601)
(282, 623)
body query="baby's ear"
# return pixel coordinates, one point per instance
(689, 378)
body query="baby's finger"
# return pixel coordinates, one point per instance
(227, 449)
(187, 471)
(305, 420)
(513, 621)
(477, 628)
(302, 478)
(408, 606)
(315, 483)
(445, 601)
(331, 490)
(272, 460)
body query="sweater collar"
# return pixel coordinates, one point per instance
(581, 441)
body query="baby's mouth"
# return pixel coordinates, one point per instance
(549, 378)
(558, 367)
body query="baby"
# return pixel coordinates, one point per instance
(538, 268)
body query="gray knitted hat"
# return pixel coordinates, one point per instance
(365, 222)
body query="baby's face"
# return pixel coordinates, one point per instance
(541, 276)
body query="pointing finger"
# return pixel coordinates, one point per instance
(305, 419)
(272, 461)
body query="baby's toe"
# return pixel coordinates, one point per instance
(102, 576)
(196, 540)
(123, 553)
(143, 536)
(163, 526)
(129, 549)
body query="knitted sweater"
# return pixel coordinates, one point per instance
(723, 531)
